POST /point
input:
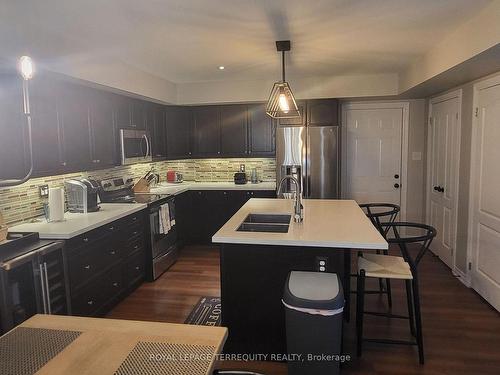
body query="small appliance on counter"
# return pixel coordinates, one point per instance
(174, 177)
(82, 195)
(240, 178)
(254, 177)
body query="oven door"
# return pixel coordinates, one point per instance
(163, 245)
(135, 146)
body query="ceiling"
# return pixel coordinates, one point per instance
(186, 40)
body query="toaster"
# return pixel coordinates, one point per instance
(82, 195)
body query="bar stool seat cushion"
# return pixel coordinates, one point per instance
(384, 266)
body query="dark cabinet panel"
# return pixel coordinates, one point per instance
(156, 124)
(234, 130)
(262, 131)
(76, 134)
(47, 152)
(206, 127)
(296, 121)
(103, 133)
(138, 114)
(178, 134)
(183, 209)
(13, 129)
(121, 108)
(322, 112)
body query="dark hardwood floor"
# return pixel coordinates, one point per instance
(461, 331)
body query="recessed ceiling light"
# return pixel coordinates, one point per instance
(222, 67)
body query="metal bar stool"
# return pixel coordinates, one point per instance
(400, 268)
(380, 214)
(235, 372)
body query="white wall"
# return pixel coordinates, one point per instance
(303, 88)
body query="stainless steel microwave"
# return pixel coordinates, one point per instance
(135, 146)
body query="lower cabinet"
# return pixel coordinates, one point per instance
(105, 265)
(201, 213)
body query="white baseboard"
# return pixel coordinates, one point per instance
(464, 278)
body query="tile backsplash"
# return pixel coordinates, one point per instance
(22, 203)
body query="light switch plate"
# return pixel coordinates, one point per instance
(416, 156)
(242, 167)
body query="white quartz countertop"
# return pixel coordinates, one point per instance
(170, 188)
(76, 224)
(327, 223)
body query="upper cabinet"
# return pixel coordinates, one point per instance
(296, 121)
(75, 128)
(138, 109)
(206, 131)
(13, 128)
(234, 130)
(156, 124)
(46, 132)
(102, 131)
(262, 131)
(178, 132)
(322, 112)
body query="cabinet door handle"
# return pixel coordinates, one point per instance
(90, 302)
(396, 185)
(85, 239)
(49, 308)
(111, 228)
(42, 285)
(137, 268)
(135, 232)
(134, 218)
(87, 267)
(112, 252)
(136, 247)
(115, 284)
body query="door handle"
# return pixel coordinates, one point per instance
(396, 176)
(42, 285)
(396, 185)
(436, 188)
(49, 308)
(441, 189)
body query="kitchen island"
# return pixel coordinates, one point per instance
(255, 264)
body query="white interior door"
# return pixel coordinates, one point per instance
(443, 163)
(373, 153)
(485, 193)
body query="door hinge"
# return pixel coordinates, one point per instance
(477, 111)
(470, 266)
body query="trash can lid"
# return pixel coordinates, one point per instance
(314, 290)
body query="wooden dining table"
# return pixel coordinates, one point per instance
(50, 344)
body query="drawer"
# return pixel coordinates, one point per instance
(134, 245)
(135, 270)
(100, 292)
(134, 219)
(86, 239)
(92, 260)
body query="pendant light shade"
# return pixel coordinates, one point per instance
(281, 102)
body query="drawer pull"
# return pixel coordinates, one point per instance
(90, 302)
(134, 233)
(137, 268)
(134, 218)
(87, 267)
(112, 252)
(111, 228)
(115, 284)
(136, 247)
(85, 239)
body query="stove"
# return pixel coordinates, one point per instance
(163, 245)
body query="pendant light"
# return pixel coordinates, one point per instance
(281, 103)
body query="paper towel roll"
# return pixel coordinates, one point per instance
(56, 204)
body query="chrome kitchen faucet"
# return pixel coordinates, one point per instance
(298, 216)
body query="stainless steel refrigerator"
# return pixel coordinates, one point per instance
(312, 155)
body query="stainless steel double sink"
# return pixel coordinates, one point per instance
(270, 223)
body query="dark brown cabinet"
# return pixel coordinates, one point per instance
(103, 145)
(234, 130)
(75, 128)
(262, 130)
(206, 131)
(156, 124)
(47, 152)
(13, 128)
(322, 112)
(106, 264)
(296, 121)
(138, 109)
(178, 132)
